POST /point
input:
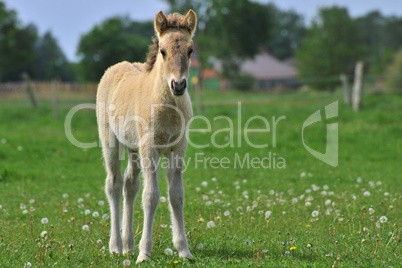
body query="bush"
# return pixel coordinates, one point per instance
(243, 82)
(393, 74)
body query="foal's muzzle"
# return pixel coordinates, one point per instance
(178, 87)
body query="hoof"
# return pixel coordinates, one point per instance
(142, 257)
(116, 246)
(186, 255)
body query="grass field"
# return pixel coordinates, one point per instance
(303, 214)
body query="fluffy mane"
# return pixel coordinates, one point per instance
(174, 20)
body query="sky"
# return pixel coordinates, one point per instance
(69, 19)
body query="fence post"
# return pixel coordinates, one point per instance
(357, 87)
(197, 89)
(55, 99)
(31, 95)
(346, 90)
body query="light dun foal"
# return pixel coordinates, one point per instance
(145, 107)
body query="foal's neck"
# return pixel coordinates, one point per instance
(161, 89)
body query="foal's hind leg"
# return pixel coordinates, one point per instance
(176, 199)
(131, 187)
(113, 189)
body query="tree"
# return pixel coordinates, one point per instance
(17, 45)
(228, 30)
(286, 33)
(331, 47)
(394, 74)
(114, 40)
(50, 61)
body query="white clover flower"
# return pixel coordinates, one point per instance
(85, 227)
(168, 251)
(200, 246)
(80, 200)
(44, 220)
(210, 224)
(213, 179)
(247, 242)
(328, 202)
(294, 200)
(65, 195)
(268, 214)
(162, 199)
(27, 264)
(43, 234)
(366, 193)
(226, 213)
(126, 262)
(95, 214)
(314, 213)
(87, 212)
(383, 219)
(204, 183)
(307, 203)
(101, 203)
(371, 211)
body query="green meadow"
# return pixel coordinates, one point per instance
(276, 206)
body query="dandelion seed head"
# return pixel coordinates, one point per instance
(328, 202)
(314, 213)
(386, 194)
(268, 214)
(162, 199)
(213, 179)
(371, 211)
(307, 203)
(200, 246)
(101, 202)
(247, 242)
(99, 241)
(19, 148)
(65, 195)
(32, 201)
(87, 212)
(359, 180)
(366, 193)
(27, 264)
(294, 200)
(85, 227)
(197, 189)
(210, 224)
(43, 234)
(3, 141)
(383, 219)
(25, 211)
(44, 220)
(80, 200)
(204, 183)
(126, 262)
(95, 214)
(168, 251)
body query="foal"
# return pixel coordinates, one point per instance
(145, 107)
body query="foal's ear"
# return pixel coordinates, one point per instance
(191, 21)
(160, 23)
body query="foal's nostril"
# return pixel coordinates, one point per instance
(182, 84)
(173, 84)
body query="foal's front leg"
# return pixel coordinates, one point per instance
(131, 188)
(176, 199)
(150, 199)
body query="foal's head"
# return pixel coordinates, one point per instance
(175, 47)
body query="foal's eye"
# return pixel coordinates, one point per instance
(163, 52)
(190, 51)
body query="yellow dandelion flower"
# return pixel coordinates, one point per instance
(176, 262)
(63, 246)
(292, 248)
(24, 224)
(72, 218)
(201, 220)
(308, 225)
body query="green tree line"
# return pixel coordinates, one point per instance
(228, 30)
